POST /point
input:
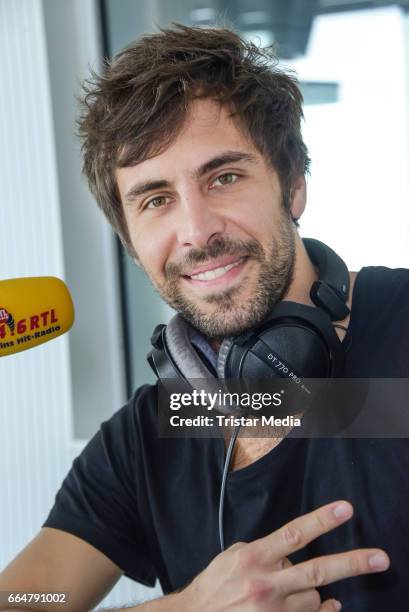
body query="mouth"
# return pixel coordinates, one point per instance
(216, 273)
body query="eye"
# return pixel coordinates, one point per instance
(226, 179)
(155, 202)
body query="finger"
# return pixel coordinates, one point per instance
(301, 531)
(325, 570)
(306, 600)
(280, 565)
(331, 605)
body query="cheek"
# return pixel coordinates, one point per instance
(152, 247)
(257, 218)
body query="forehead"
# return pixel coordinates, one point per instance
(204, 115)
(207, 131)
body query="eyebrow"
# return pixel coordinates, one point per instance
(227, 157)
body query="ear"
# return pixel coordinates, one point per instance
(298, 197)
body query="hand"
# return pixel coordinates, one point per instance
(258, 576)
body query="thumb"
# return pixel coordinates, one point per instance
(330, 605)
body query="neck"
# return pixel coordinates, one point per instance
(304, 275)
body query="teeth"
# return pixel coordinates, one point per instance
(211, 274)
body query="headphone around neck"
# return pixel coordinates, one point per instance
(302, 339)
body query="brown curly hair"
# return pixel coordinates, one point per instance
(136, 108)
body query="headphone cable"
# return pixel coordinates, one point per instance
(348, 335)
(223, 485)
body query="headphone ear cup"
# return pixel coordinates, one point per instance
(182, 352)
(223, 355)
(296, 339)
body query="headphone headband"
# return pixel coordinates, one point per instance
(330, 292)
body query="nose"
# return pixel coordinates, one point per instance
(198, 222)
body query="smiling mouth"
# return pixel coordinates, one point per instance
(218, 272)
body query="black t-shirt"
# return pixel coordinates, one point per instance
(151, 504)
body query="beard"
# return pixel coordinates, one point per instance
(230, 315)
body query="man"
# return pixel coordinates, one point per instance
(193, 149)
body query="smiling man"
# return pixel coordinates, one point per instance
(207, 221)
(193, 149)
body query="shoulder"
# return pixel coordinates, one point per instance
(378, 277)
(115, 455)
(380, 323)
(378, 285)
(143, 400)
(137, 418)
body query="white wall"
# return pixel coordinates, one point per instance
(43, 47)
(72, 41)
(35, 402)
